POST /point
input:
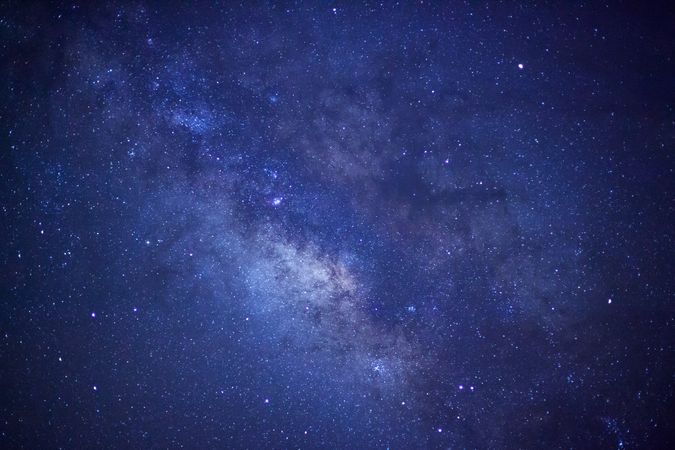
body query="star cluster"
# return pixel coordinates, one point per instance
(336, 225)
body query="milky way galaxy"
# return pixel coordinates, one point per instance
(336, 225)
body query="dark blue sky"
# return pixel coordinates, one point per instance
(331, 225)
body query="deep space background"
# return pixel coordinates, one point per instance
(336, 225)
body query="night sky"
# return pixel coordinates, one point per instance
(337, 225)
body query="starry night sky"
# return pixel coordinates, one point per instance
(331, 225)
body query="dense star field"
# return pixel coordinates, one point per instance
(336, 225)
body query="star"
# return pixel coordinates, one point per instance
(355, 215)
